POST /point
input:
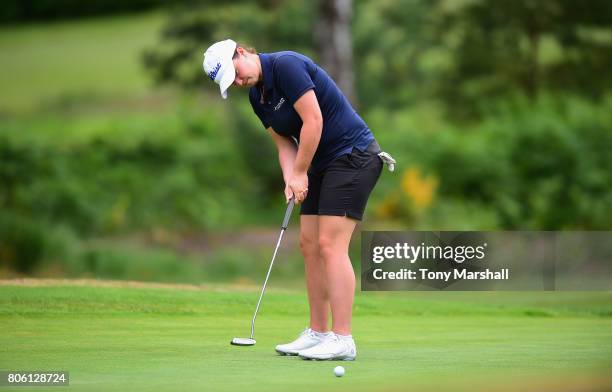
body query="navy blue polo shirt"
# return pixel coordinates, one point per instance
(286, 77)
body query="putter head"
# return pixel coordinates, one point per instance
(243, 342)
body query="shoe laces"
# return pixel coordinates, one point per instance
(332, 339)
(345, 342)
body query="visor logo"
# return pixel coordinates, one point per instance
(213, 73)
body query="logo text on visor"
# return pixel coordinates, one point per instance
(213, 73)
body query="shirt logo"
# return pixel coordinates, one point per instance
(213, 73)
(279, 104)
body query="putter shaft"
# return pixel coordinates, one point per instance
(280, 237)
(263, 289)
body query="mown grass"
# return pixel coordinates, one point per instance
(177, 338)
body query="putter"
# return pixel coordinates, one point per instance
(251, 341)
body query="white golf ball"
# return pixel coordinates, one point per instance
(339, 371)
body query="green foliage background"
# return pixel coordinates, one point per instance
(497, 112)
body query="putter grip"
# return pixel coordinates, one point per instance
(288, 213)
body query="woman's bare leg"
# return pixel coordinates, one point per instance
(334, 237)
(315, 273)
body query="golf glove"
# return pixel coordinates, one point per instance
(388, 160)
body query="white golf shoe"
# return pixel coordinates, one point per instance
(307, 339)
(334, 347)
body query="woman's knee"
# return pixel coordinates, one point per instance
(309, 245)
(327, 249)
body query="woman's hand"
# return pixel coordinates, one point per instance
(298, 185)
(288, 193)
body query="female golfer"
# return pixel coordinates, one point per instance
(331, 173)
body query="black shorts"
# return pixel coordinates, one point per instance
(343, 187)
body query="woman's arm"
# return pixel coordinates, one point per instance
(287, 151)
(307, 106)
(310, 113)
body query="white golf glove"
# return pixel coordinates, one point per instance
(388, 160)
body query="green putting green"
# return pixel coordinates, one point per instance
(114, 336)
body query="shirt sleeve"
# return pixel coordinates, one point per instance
(292, 77)
(258, 111)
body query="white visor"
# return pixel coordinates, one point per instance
(227, 79)
(218, 64)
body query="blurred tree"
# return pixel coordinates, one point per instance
(395, 48)
(525, 45)
(469, 53)
(334, 42)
